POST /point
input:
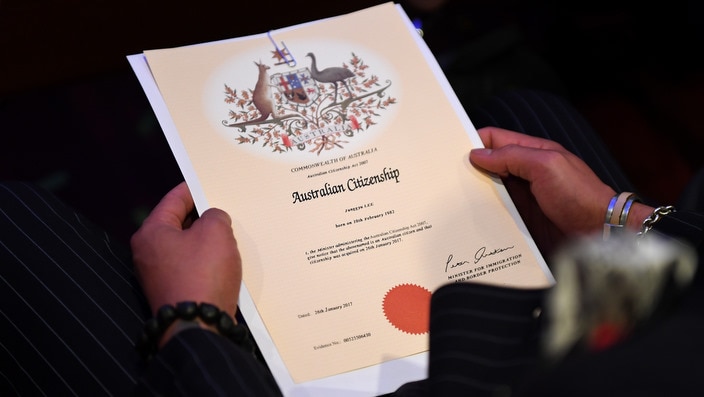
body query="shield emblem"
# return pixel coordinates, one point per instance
(296, 86)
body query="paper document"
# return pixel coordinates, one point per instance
(341, 153)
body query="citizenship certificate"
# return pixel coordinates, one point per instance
(341, 154)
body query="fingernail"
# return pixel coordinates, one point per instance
(481, 151)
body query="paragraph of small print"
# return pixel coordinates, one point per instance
(364, 244)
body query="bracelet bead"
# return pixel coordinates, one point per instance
(152, 328)
(165, 316)
(187, 310)
(210, 314)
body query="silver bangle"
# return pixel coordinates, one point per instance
(626, 209)
(617, 212)
(610, 209)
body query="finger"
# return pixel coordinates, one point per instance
(174, 207)
(214, 223)
(520, 161)
(216, 215)
(495, 138)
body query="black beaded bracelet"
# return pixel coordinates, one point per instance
(147, 344)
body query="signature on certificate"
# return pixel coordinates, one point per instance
(481, 253)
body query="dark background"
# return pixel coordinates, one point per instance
(74, 119)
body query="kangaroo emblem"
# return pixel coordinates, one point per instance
(261, 95)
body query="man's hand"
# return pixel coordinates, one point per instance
(177, 260)
(564, 188)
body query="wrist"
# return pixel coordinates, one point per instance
(639, 212)
(180, 325)
(171, 320)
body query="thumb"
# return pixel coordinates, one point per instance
(482, 158)
(523, 162)
(216, 215)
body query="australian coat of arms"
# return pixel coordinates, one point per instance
(307, 108)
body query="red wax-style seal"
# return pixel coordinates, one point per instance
(407, 307)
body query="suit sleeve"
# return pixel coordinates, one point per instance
(683, 225)
(482, 338)
(197, 362)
